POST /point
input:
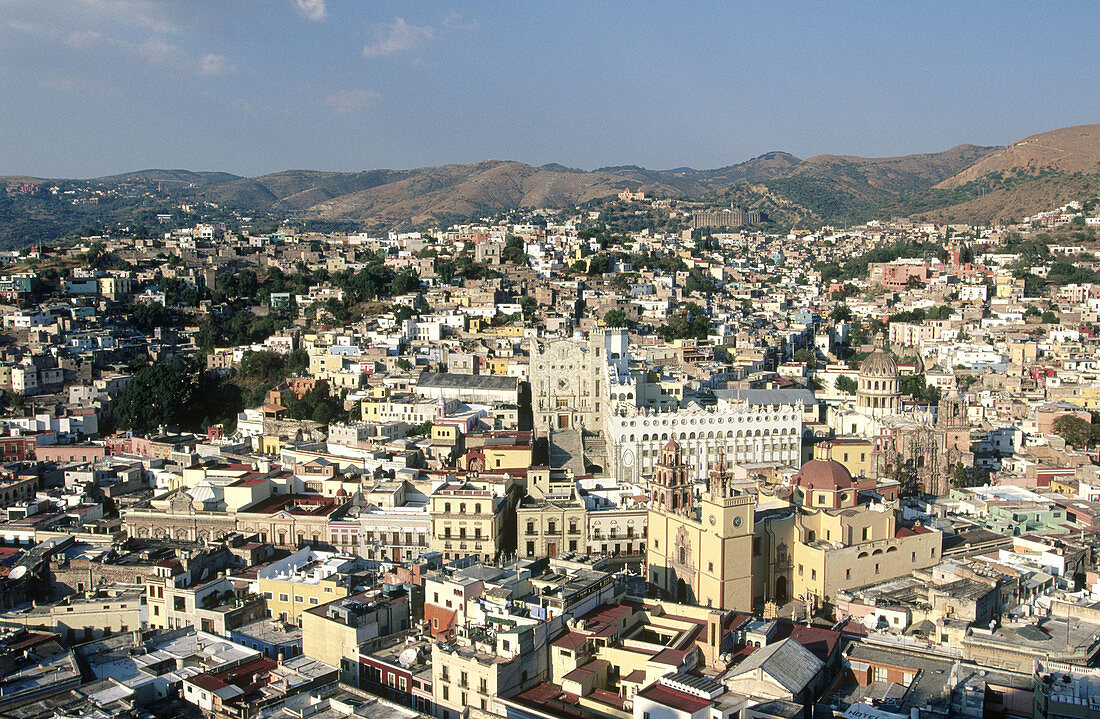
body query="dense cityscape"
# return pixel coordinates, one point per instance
(542, 469)
(549, 361)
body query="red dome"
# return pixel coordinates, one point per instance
(823, 474)
(341, 492)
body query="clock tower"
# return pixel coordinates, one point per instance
(700, 553)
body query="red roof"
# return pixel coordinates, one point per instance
(671, 698)
(571, 641)
(671, 657)
(823, 474)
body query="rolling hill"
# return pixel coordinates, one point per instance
(967, 183)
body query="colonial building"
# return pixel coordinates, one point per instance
(468, 519)
(737, 547)
(699, 552)
(833, 534)
(592, 385)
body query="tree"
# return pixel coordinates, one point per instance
(806, 356)
(614, 318)
(841, 313)
(846, 384)
(95, 253)
(961, 476)
(513, 250)
(159, 394)
(405, 282)
(1049, 318)
(265, 367)
(1073, 429)
(916, 387)
(419, 430)
(149, 315)
(528, 305)
(403, 364)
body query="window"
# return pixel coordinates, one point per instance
(298, 599)
(866, 533)
(313, 600)
(800, 570)
(847, 573)
(530, 549)
(710, 566)
(881, 675)
(876, 567)
(284, 597)
(446, 694)
(179, 604)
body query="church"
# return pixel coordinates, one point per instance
(921, 447)
(738, 546)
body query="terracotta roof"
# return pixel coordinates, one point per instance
(571, 641)
(823, 474)
(671, 698)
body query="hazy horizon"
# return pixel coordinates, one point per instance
(105, 87)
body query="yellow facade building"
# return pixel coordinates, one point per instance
(699, 555)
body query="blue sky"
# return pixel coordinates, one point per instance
(92, 87)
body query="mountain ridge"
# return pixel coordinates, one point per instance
(963, 183)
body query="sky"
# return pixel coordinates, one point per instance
(95, 87)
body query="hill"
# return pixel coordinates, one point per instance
(1034, 174)
(967, 183)
(1071, 149)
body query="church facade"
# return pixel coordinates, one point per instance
(734, 548)
(589, 385)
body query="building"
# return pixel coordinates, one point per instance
(468, 519)
(697, 552)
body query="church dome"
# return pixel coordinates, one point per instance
(879, 365)
(825, 474)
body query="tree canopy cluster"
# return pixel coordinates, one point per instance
(692, 323)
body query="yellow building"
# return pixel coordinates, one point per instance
(833, 539)
(855, 453)
(729, 552)
(467, 520)
(303, 580)
(699, 555)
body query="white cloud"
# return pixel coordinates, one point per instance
(138, 13)
(214, 64)
(454, 21)
(83, 38)
(350, 100)
(314, 10)
(398, 37)
(156, 50)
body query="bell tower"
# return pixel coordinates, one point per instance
(671, 488)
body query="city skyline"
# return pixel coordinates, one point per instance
(109, 86)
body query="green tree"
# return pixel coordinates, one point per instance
(528, 305)
(806, 356)
(614, 318)
(846, 384)
(403, 364)
(159, 394)
(961, 476)
(1073, 429)
(1049, 318)
(841, 313)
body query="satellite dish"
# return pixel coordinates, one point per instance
(18, 573)
(408, 657)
